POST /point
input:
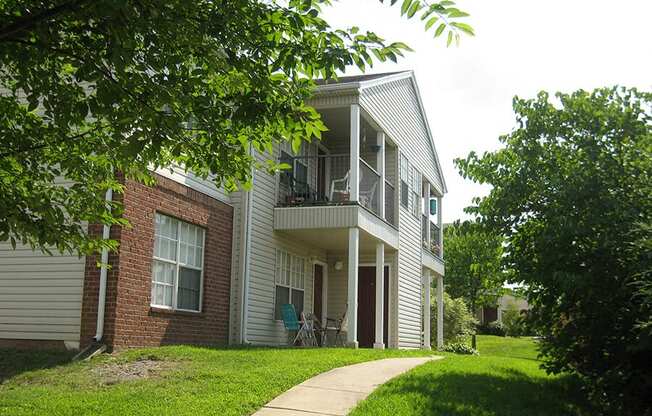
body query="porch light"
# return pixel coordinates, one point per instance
(433, 206)
(338, 265)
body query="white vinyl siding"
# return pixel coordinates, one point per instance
(262, 328)
(177, 266)
(394, 105)
(40, 295)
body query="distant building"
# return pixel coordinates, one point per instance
(488, 314)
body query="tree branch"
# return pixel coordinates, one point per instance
(31, 20)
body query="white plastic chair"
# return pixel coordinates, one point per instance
(342, 187)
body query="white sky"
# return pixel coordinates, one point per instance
(520, 48)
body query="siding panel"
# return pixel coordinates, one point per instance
(40, 295)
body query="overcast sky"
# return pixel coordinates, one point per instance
(520, 48)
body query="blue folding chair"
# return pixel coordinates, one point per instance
(291, 323)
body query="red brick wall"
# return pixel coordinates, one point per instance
(130, 321)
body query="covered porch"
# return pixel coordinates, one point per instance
(356, 283)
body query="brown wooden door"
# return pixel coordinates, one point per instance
(317, 291)
(367, 306)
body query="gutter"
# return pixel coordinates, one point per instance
(245, 254)
(101, 301)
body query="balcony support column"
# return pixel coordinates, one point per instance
(352, 289)
(380, 296)
(426, 309)
(354, 169)
(380, 164)
(440, 311)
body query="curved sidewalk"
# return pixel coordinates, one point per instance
(337, 391)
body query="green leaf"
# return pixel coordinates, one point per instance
(440, 29)
(406, 6)
(431, 22)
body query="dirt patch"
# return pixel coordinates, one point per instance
(112, 373)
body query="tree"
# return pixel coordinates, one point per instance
(473, 258)
(572, 194)
(96, 90)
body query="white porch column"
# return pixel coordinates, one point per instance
(380, 298)
(380, 164)
(354, 169)
(440, 311)
(426, 309)
(352, 305)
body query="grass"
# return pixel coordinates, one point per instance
(505, 379)
(194, 381)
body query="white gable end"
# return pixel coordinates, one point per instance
(396, 107)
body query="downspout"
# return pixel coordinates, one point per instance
(246, 253)
(101, 301)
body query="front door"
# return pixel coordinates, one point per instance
(318, 291)
(367, 306)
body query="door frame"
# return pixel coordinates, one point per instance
(324, 288)
(389, 298)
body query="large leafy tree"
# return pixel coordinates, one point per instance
(94, 89)
(473, 264)
(572, 194)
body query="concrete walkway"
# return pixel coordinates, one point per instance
(337, 391)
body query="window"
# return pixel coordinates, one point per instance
(177, 268)
(416, 187)
(290, 282)
(404, 181)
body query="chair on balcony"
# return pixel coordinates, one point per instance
(340, 189)
(367, 196)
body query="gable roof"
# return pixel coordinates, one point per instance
(368, 81)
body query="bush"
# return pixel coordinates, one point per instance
(458, 321)
(460, 348)
(514, 323)
(492, 328)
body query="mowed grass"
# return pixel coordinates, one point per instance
(194, 380)
(505, 379)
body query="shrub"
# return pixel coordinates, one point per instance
(460, 348)
(458, 321)
(514, 323)
(492, 328)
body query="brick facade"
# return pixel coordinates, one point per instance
(129, 319)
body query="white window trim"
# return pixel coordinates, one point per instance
(404, 177)
(178, 265)
(291, 285)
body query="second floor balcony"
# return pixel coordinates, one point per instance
(359, 168)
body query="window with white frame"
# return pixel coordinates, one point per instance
(405, 193)
(416, 192)
(290, 282)
(177, 266)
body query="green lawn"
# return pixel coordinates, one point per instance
(190, 380)
(505, 379)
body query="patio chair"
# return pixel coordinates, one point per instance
(304, 333)
(367, 197)
(340, 187)
(338, 326)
